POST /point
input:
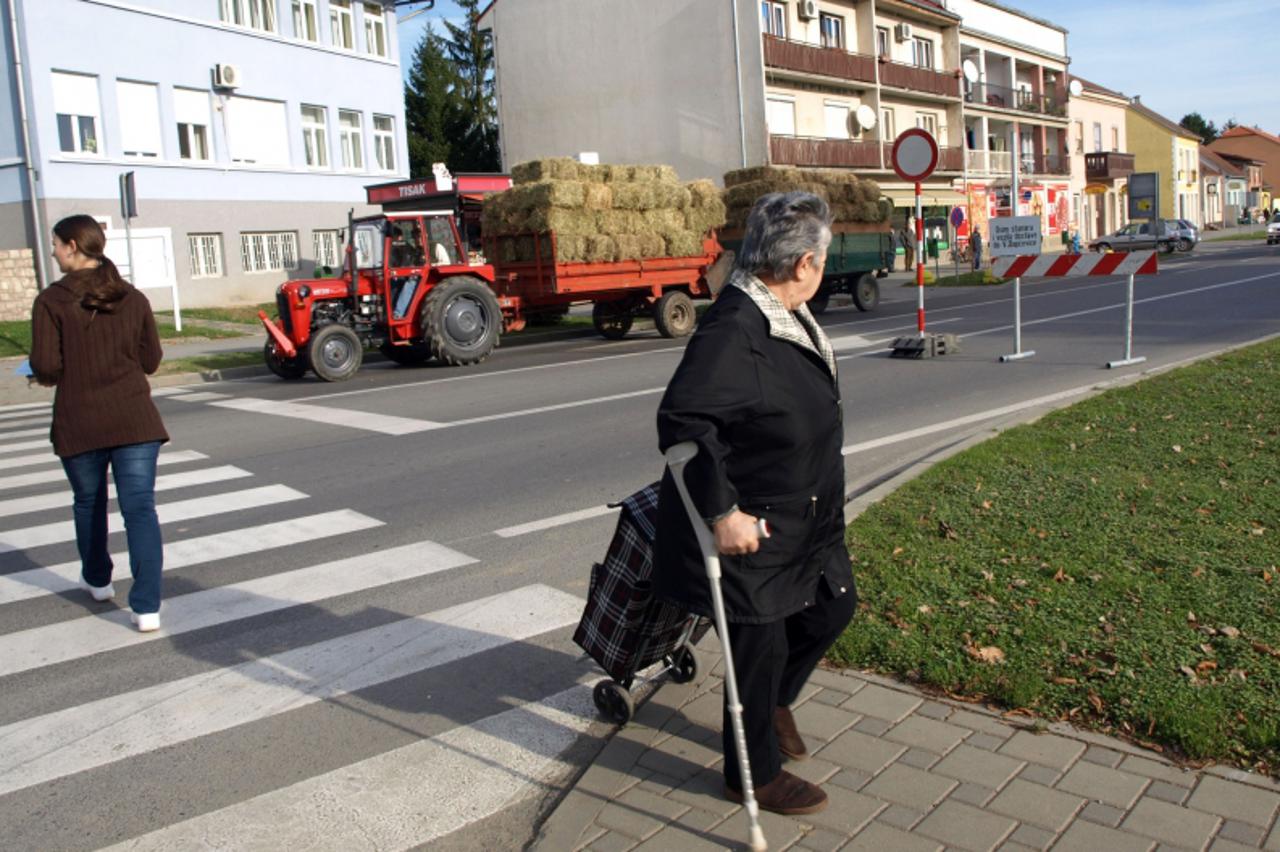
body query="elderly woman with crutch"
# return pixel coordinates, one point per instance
(757, 393)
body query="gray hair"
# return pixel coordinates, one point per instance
(782, 228)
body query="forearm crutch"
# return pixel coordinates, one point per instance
(677, 457)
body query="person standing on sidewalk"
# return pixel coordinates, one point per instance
(93, 336)
(909, 247)
(976, 242)
(757, 391)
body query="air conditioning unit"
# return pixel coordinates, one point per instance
(226, 76)
(902, 32)
(807, 9)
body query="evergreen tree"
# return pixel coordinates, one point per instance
(471, 52)
(430, 106)
(1195, 122)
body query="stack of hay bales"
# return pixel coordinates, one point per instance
(600, 213)
(852, 199)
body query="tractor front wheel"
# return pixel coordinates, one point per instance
(461, 320)
(285, 368)
(335, 352)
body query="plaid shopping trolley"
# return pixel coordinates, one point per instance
(624, 627)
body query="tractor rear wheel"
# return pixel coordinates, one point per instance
(673, 314)
(866, 292)
(612, 320)
(335, 352)
(461, 320)
(285, 368)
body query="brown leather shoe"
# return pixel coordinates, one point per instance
(790, 743)
(787, 794)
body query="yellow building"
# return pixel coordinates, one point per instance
(1160, 145)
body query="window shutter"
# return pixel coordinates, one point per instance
(75, 94)
(139, 109)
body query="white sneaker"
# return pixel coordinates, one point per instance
(100, 593)
(146, 621)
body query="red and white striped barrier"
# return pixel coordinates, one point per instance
(1075, 265)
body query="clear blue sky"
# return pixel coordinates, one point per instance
(1215, 57)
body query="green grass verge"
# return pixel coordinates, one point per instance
(15, 336)
(972, 278)
(246, 314)
(220, 361)
(1256, 235)
(1113, 565)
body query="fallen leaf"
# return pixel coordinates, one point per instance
(897, 550)
(1205, 666)
(1230, 632)
(1188, 671)
(986, 504)
(988, 575)
(1065, 681)
(1060, 577)
(1096, 702)
(986, 654)
(1177, 448)
(1264, 648)
(946, 530)
(1191, 618)
(924, 609)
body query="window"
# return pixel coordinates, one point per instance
(836, 120)
(375, 30)
(257, 131)
(1097, 137)
(139, 110)
(922, 53)
(191, 109)
(75, 100)
(350, 139)
(206, 255)
(773, 18)
(882, 42)
(1079, 137)
(305, 24)
(327, 247)
(384, 142)
(255, 14)
(1115, 138)
(340, 29)
(887, 131)
(314, 140)
(269, 252)
(832, 31)
(780, 116)
(928, 122)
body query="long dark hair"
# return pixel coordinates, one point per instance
(101, 287)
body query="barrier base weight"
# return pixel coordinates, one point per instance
(1018, 356)
(1125, 362)
(926, 346)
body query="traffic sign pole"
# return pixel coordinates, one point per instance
(1128, 333)
(1017, 354)
(919, 261)
(915, 156)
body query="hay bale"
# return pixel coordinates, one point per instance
(597, 196)
(600, 248)
(666, 173)
(664, 221)
(644, 174)
(591, 173)
(684, 244)
(634, 196)
(546, 193)
(741, 176)
(702, 193)
(670, 194)
(628, 246)
(700, 220)
(570, 248)
(619, 222)
(563, 221)
(652, 245)
(551, 168)
(617, 173)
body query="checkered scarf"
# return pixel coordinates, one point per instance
(798, 326)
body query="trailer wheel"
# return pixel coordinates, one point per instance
(674, 315)
(866, 293)
(818, 304)
(285, 368)
(461, 320)
(612, 319)
(335, 352)
(407, 356)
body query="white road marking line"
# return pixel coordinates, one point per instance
(25, 433)
(168, 482)
(27, 421)
(27, 445)
(980, 416)
(185, 553)
(169, 391)
(850, 341)
(41, 749)
(46, 476)
(403, 798)
(201, 396)
(47, 457)
(558, 520)
(384, 423)
(23, 409)
(542, 409)
(182, 510)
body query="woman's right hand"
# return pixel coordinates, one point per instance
(737, 534)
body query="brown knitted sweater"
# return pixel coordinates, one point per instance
(100, 362)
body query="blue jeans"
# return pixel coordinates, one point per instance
(134, 468)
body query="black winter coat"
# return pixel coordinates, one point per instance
(766, 415)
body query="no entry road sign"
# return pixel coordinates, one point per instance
(915, 155)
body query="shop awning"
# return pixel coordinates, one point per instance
(930, 197)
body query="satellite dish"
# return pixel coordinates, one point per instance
(866, 117)
(970, 70)
(1075, 88)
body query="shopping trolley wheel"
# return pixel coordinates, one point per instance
(684, 665)
(614, 701)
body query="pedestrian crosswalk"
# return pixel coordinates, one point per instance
(265, 640)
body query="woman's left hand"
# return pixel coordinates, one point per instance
(737, 534)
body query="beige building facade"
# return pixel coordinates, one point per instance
(1100, 162)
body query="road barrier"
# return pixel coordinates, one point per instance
(1075, 266)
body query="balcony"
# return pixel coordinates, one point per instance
(949, 159)
(813, 151)
(1107, 165)
(989, 162)
(1024, 100)
(1044, 164)
(812, 59)
(917, 79)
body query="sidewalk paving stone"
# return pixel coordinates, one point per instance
(882, 703)
(705, 791)
(965, 827)
(918, 758)
(879, 837)
(1037, 774)
(816, 719)
(1159, 771)
(914, 788)
(974, 765)
(1273, 842)
(900, 816)
(972, 794)
(814, 770)
(847, 812)
(1102, 784)
(1242, 832)
(873, 726)
(831, 697)
(1102, 814)
(1046, 749)
(986, 742)
(860, 751)
(821, 840)
(1087, 837)
(1170, 823)
(612, 841)
(982, 722)
(1166, 792)
(1042, 806)
(928, 734)
(1102, 756)
(852, 779)
(1236, 801)
(1035, 838)
(1221, 845)
(935, 710)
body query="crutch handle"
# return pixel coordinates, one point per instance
(762, 527)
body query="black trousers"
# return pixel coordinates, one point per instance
(772, 662)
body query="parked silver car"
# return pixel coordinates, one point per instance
(1137, 236)
(1273, 230)
(1185, 234)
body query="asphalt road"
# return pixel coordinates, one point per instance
(372, 586)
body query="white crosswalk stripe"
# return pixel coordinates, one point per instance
(26, 421)
(22, 480)
(18, 446)
(164, 482)
(24, 409)
(26, 433)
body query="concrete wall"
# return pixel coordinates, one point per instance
(646, 82)
(1153, 148)
(981, 17)
(17, 285)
